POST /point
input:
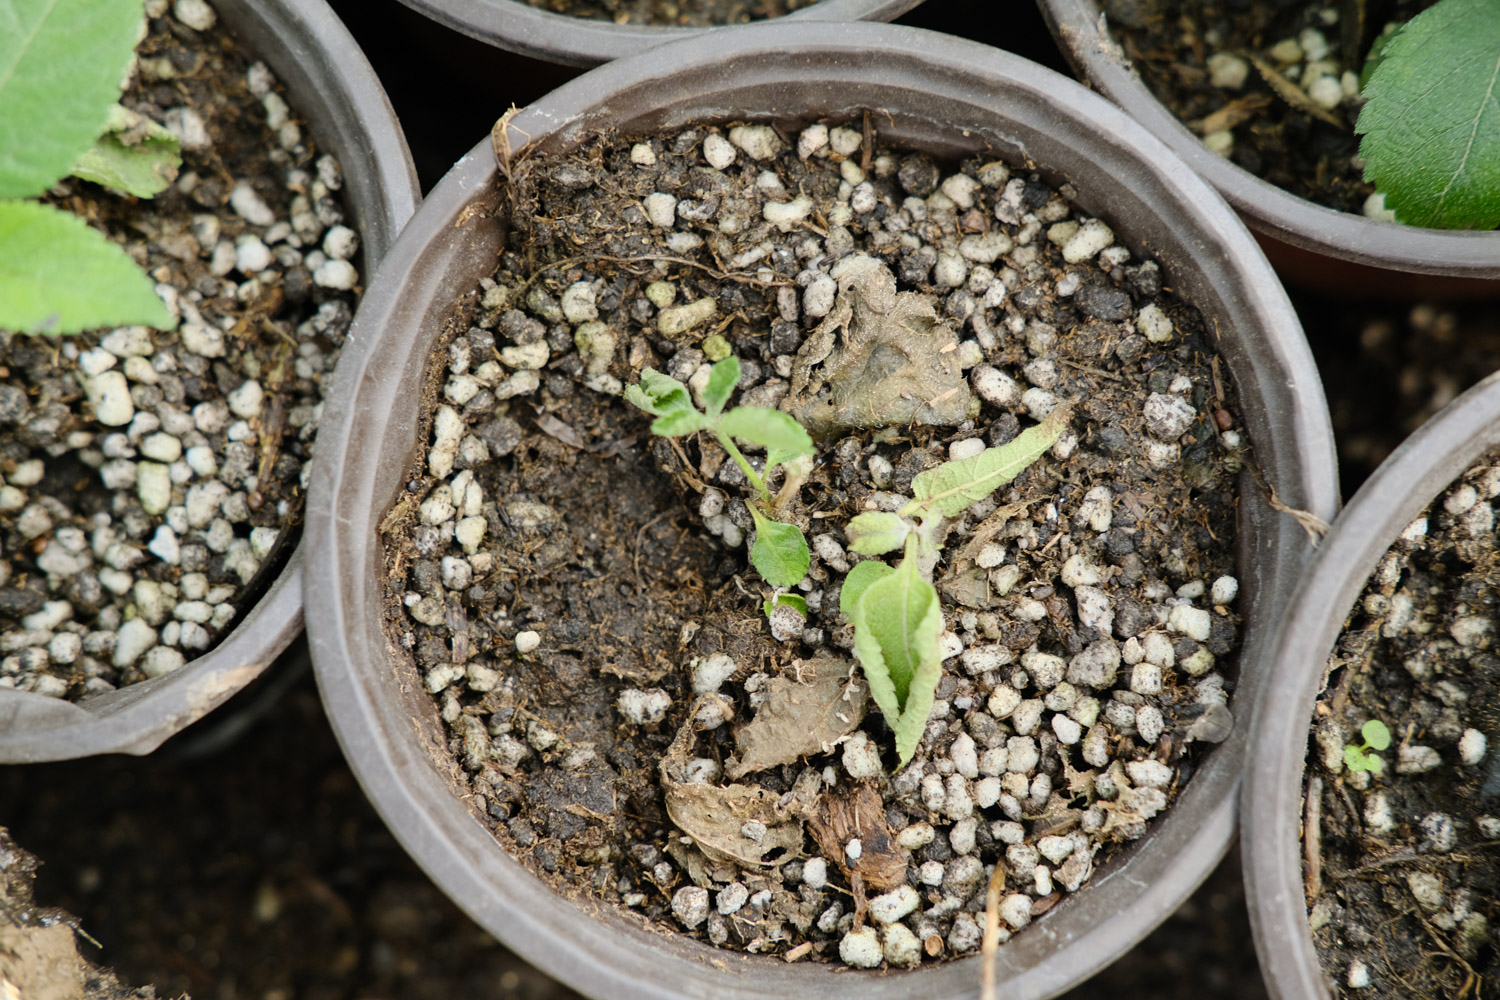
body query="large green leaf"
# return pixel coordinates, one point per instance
(780, 554)
(876, 532)
(772, 429)
(58, 275)
(62, 63)
(134, 155)
(955, 486)
(1431, 121)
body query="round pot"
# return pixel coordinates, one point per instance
(332, 84)
(1271, 813)
(1311, 245)
(577, 41)
(930, 92)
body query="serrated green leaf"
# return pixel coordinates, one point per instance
(59, 275)
(722, 379)
(790, 600)
(780, 554)
(858, 580)
(1376, 735)
(772, 429)
(134, 155)
(876, 533)
(1376, 56)
(1431, 121)
(955, 486)
(62, 64)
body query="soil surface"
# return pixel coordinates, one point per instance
(1403, 895)
(1042, 749)
(1240, 76)
(673, 13)
(154, 479)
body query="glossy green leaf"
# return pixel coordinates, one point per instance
(1376, 735)
(772, 429)
(954, 486)
(780, 554)
(59, 275)
(134, 155)
(876, 533)
(1431, 120)
(790, 600)
(722, 379)
(62, 64)
(859, 578)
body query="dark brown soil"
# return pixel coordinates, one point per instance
(1169, 43)
(1408, 876)
(673, 13)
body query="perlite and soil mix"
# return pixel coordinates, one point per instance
(1402, 873)
(673, 13)
(639, 717)
(153, 481)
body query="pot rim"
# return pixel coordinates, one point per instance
(314, 55)
(577, 41)
(1078, 26)
(1415, 474)
(386, 739)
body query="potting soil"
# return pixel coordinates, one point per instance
(673, 13)
(576, 595)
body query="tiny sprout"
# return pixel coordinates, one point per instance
(1377, 737)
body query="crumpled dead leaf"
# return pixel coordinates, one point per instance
(896, 363)
(743, 824)
(805, 712)
(861, 813)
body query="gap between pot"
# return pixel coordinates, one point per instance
(1312, 246)
(309, 49)
(786, 73)
(1271, 807)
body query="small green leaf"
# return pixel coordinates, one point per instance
(954, 486)
(855, 584)
(678, 423)
(59, 275)
(722, 379)
(780, 554)
(62, 64)
(876, 533)
(1376, 735)
(134, 155)
(790, 600)
(1354, 758)
(772, 429)
(1431, 121)
(659, 394)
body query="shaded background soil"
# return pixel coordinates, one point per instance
(242, 861)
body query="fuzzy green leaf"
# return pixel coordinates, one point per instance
(678, 423)
(1431, 121)
(896, 625)
(59, 275)
(134, 155)
(790, 600)
(855, 584)
(772, 429)
(876, 533)
(722, 379)
(666, 399)
(780, 554)
(1376, 735)
(954, 486)
(62, 64)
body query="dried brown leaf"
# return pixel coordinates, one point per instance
(804, 713)
(860, 814)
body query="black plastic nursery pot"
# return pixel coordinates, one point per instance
(1271, 802)
(1311, 245)
(929, 92)
(330, 81)
(576, 41)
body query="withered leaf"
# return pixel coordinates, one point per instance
(716, 816)
(805, 712)
(895, 364)
(861, 813)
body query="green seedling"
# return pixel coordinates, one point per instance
(61, 67)
(1377, 737)
(895, 611)
(780, 552)
(1431, 121)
